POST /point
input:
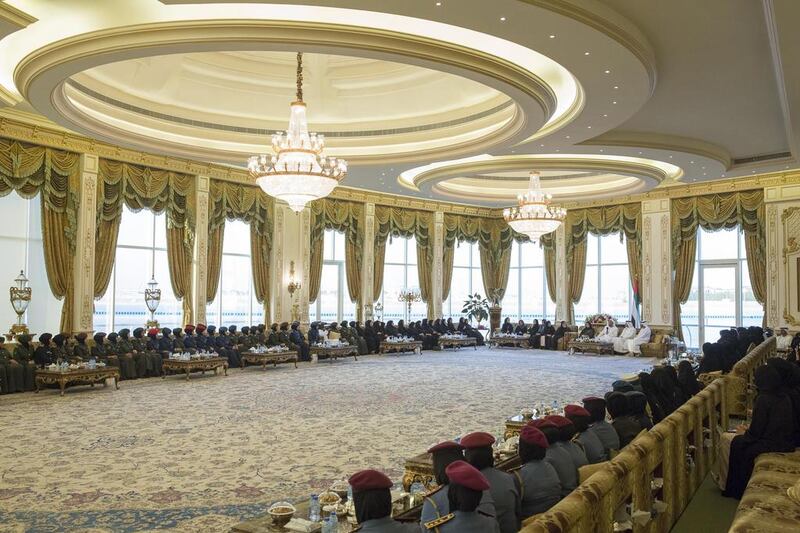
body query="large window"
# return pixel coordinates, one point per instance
(400, 273)
(141, 255)
(21, 242)
(721, 296)
(235, 302)
(526, 295)
(467, 278)
(607, 286)
(333, 301)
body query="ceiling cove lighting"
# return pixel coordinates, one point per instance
(534, 216)
(299, 172)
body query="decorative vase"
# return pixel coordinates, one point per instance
(495, 316)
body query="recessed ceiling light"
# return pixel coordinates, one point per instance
(705, 174)
(605, 115)
(616, 86)
(557, 150)
(438, 4)
(691, 162)
(541, 145)
(588, 127)
(614, 102)
(608, 72)
(601, 150)
(552, 36)
(586, 53)
(752, 172)
(567, 136)
(502, 19)
(670, 157)
(640, 153)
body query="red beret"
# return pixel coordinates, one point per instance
(464, 474)
(153, 331)
(558, 420)
(446, 445)
(575, 410)
(369, 480)
(531, 435)
(477, 439)
(540, 423)
(189, 328)
(201, 328)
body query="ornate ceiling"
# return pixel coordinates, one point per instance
(451, 100)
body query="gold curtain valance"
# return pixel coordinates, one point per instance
(30, 169)
(140, 187)
(714, 212)
(235, 201)
(624, 219)
(401, 222)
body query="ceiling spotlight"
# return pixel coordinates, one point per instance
(586, 53)
(567, 136)
(691, 162)
(552, 36)
(670, 157)
(502, 19)
(616, 86)
(588, 127)
(541, 145)
(438, 4)
(640, 153)
(605, 115)
(608, 72)
(614, 102)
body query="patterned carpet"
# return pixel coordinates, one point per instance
(200, 456)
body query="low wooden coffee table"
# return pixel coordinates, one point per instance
(80, 376)
(264, 359)
(514, 342)
(334, 352)
(420, 469)
(399, 347)
(457, 342)
(188, 366)
(600, 348)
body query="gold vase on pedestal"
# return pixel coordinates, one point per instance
(20, 297)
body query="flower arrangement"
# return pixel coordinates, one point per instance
(599, 318)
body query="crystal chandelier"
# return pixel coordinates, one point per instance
(533, 216)
(298, 172)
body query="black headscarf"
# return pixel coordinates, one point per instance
(441, 460)
(688, 382)
(372, 504)
(617, 404)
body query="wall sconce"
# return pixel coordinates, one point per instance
(152, 297)
(20, 296)
(294, 285)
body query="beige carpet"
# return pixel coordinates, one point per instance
(205, 454)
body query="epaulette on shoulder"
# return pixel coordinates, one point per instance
(439, 521)
(433, 491)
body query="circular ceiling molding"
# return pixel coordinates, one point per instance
(516, 103)
(496, 181)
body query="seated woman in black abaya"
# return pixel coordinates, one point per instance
(771, 430)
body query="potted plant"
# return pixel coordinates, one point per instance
(476, 307)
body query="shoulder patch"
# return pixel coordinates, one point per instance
(439, 521)
(433, 491)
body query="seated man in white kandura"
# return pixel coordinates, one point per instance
(622, 344)
(643, 337)
(609, 332)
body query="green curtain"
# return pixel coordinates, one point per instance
(140, 187)
(29, 170)
(715, 212)
(400, 222)
(625, 219)
(348, 218)
(247, 203)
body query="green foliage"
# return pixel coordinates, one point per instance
(476, 307)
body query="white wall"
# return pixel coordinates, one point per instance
(22, 249)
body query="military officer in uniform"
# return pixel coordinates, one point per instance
(600, 427)
(125, 354)
(566, 432)
(80, 351)
(580, 417)
(12, 377)
(558, 457)
(144, 360)
(466, 487)
(436, 503)
(201, 338)
(297, 338)
(43, 355)
(99, 350)
(225, 348)
(537, 480)
(178, 340)
(479, 453)
(59, 349)
(273, 339)
(112, 350)
(189, 339)
(373, 503)
(23, 354)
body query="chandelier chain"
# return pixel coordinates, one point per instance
(299, 76)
